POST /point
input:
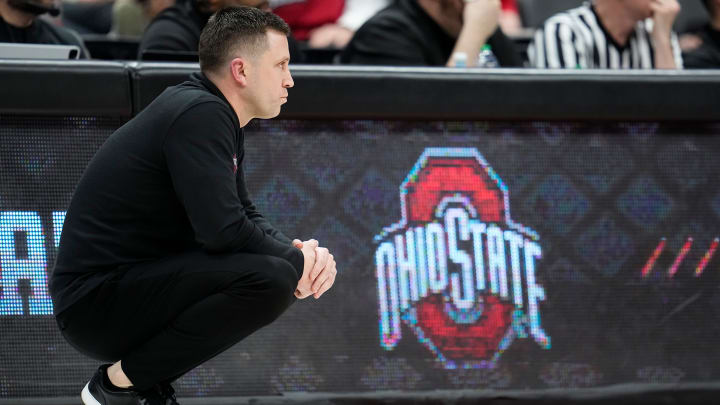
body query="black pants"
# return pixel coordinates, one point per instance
(164, 318)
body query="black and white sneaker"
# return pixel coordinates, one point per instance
(99, 391)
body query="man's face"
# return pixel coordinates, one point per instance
(453, 9)
(269, 77)
(639, 9)
(44, 3)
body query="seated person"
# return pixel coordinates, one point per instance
(326, 23)
(304, 16)
(177, 28)
(19, 23)
(131, 17)
(430, 33)
(704, 53)
(610, 34)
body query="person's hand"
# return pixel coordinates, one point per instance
(318, 276)
(330, 35)
(483, 15)
(323, 273)
(480, 19)
(304, 287)
(689, 42)
(664, 13)
(510, 23)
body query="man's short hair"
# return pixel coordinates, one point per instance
(236, 29)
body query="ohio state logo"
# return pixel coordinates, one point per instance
(456, 269)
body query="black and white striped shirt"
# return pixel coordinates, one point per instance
(577, 39)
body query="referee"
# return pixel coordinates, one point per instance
(164, 261)
(610, 34)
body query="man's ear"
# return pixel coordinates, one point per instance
(238, 68)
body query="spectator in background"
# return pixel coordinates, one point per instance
(355, 14)
(704, 49)
(429, 33)
(510, 21)
(610, 34)
(130, 18)
(87, 17)
(177, 28)
(19, 23)
(326, 23)
(303, 16)
(330, 24)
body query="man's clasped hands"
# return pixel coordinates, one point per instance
(318, 272)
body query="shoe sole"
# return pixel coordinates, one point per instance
(87, 397)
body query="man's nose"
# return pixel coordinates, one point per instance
(288, 81)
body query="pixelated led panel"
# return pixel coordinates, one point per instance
(41, 159)
(470, 255)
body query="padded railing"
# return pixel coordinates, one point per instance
(117, 89)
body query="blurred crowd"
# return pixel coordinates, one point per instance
(571, 34)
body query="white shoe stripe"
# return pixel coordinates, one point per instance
(87, 397)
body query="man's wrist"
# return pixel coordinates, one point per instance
(661, 46)
(478, 32)
(661, 37)
(297, 259)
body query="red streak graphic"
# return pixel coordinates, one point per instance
(706, 258)
(655, 254)
(680, 257)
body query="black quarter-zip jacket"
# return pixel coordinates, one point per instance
(169, 181)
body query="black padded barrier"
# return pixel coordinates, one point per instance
(149, 79)
(457, 94)
(64, 88)
(123, 89)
